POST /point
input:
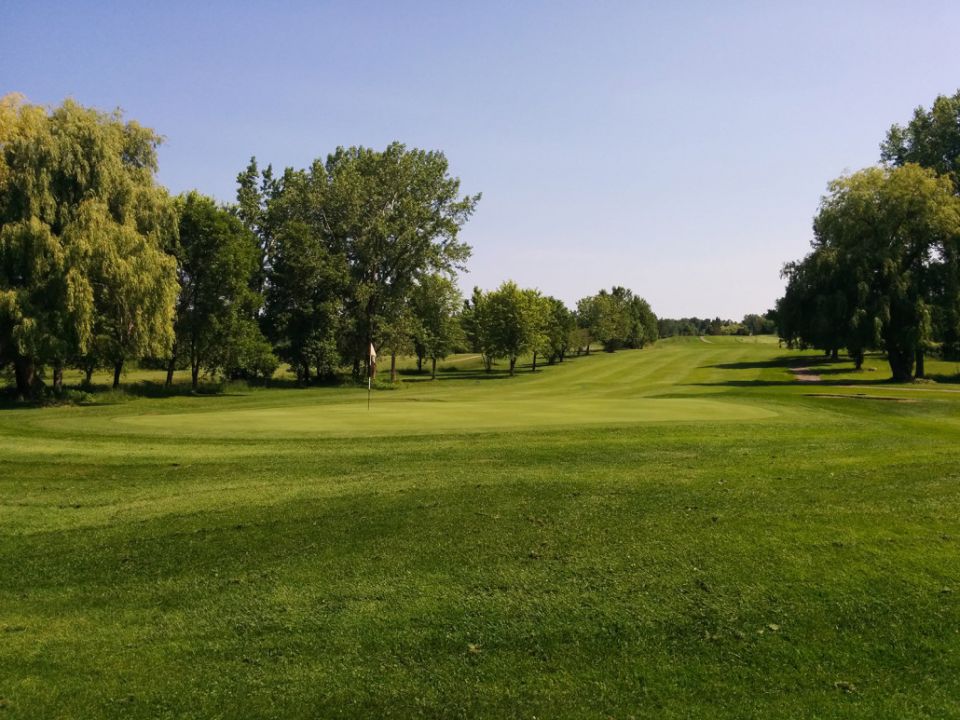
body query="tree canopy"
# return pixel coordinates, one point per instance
(99, 265)
(217, 306)
(83, 232)
(880, 236)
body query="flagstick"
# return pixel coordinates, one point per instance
(371, 368)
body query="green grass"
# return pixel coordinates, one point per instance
(683, 531)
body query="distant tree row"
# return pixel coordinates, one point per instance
(752, 324)
(884, 272)
(99, 265)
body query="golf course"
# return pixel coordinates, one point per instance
(707, 527)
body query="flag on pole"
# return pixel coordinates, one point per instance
(372, 369)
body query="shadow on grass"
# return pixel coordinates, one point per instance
(148, 389)
(941, 378)
(498, 372)
(787, 361)
(90, 395)
(453, 374)
(792, 383)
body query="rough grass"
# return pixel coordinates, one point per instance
(682, 531)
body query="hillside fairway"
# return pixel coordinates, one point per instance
(682, 531)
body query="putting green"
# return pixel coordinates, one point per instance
(411, 417)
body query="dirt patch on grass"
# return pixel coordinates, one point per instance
(804, 374)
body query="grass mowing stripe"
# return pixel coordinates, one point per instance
(490, 563)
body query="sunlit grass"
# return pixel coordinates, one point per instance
(683, 531)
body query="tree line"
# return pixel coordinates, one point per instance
(884, 270)
(100, 265)
(752, 324)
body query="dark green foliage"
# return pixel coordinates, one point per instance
(882, 239)
(373, 224)
(750, 325)
(932, 139)
(217, 307)
(305, 300)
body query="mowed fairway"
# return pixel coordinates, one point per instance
(682, 531)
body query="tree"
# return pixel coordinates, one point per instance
(642, 325)
(932, 139)
(823, 305)
(478, 328)
(538, 310)
(400, 335)
(759, 324)
(396, 216)
(304, 302)
(880, 234)
(435, 302)
(513, 319)
(83, 227)
(217, 265)
(588, 319)
(255, 189)
(559, 327)
(617, 318)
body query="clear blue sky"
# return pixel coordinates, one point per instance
(678, 151)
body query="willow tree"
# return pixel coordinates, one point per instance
(83, 227)
(889, 229)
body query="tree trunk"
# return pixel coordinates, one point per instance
(419, 363)
(171, 366)
(534, 368)
(513, 362)
(588, 349)
(433, 369)
(835, 354)
(356, 368)
(194, 374)
(26, 374)
(393, 367)
(901, 364)
(858, 359)
(919, 372)
(88, 379)
(58, 376)
(117, 369)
